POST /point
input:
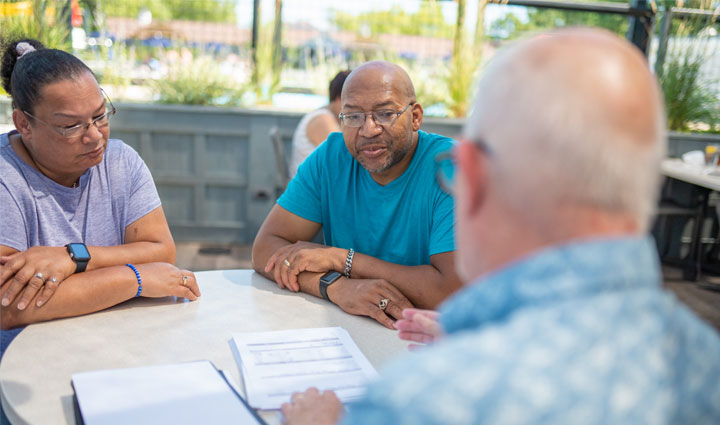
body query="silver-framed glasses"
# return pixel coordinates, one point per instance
(383, 117)
(100, 121)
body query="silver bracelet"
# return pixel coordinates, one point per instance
(348, 262)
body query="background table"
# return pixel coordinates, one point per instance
(36, 369)
(706, 179)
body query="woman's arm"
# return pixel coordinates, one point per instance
(148, 239)
(97, 290)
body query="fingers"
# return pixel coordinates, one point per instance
(17, 283)
(190, 288)
(430, 325)
(271, 262)
(292, 272)
(31, 289)
(416, 337)
(409, 313)
(381, 317)
(419, 326)
(397, 302)
(11, 265)
(51, 286)
(277, 264)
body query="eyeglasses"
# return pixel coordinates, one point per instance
(445, 167)
(101, 121)
(383, 117)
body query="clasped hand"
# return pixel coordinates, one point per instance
(27, 272)
(291, 260)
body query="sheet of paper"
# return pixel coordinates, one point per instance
(278, 363)
(183, 393)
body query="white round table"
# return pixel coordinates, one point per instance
(36, 369)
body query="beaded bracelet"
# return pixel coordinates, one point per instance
(348, 263)
(137, 274)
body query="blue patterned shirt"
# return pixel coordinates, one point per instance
(577, 334)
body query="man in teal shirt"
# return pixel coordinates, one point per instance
(388, 226)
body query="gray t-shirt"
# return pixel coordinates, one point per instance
(110, 196)
(36, 211)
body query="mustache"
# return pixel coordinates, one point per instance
(364, 143)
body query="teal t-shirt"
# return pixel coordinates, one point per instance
(403, 222)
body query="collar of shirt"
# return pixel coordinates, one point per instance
(557, 274)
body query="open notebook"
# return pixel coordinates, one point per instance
(183, 393)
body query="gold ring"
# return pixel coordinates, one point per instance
(286, 262)
(184, 282)
(382, 305)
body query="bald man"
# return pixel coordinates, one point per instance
(388, 225)
(563, 319)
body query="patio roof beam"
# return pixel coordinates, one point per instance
(603, 7)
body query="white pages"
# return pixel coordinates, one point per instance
(183, 393)
(278, 363)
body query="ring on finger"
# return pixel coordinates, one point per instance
(382, 305)
(40, 276)
(184, 280)
(286, 262)
(52, 280)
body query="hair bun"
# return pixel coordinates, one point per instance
(23, 48)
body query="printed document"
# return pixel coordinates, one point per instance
(276, 364)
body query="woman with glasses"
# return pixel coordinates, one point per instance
(82, 227)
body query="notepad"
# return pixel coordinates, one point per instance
(276, 364)
(183, 393)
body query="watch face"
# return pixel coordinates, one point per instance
(79, 252)
(330, 277)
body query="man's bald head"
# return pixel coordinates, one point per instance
(573, 117)
(384, 74)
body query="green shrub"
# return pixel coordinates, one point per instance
(198, 83)
(47, 25)
(688, 99)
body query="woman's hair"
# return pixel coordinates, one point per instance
(26, 72)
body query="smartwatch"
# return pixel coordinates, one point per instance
(79, 254)
(326, 280)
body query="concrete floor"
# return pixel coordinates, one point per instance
(705, 302)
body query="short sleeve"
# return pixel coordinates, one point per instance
(442, 233)
(142, 196)
(302, 196)
(13, 232)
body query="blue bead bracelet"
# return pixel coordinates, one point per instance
(137, 274)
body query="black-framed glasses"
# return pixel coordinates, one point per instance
(383, 117)
(101, 121)
(445, 166)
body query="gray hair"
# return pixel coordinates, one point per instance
(558, 140)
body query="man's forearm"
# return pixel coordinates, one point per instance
(80, 294)
(425, 286)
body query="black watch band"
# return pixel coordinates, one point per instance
(79, 254)
(326, 280)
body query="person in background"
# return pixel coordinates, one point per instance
(82, 227)
(387, 224)
(563, 319)
(315, 126)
